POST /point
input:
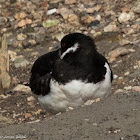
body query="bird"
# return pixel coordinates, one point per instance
(71, 75)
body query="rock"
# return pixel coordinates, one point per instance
(19, 16)
(20, 61)
(136, 7)
(98, 17)
(116, 53)
(34, 53)
(3, 20)
(87, 19)
(136, 88)
(68, 2)
(30, 99)
(27, 115)
(119, 91)
(93, 9)
(94, 24)
(124, 17)
(22, 88)
(64, 12)
(21, 37)
(50, 23)
(58, 37)
(12, 55)
(51, 11)
(128, 87)
(37, 112)
(124, 42)
(28, 21)
(111, 28)
(73, 18)
(21, 23)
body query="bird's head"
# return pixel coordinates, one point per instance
(74, 42)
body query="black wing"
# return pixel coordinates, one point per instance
(41, 73)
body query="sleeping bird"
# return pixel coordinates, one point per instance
(71, 75)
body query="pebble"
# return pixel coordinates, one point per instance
(50, 23)
(24, 22)
(27, 115)
(22, 88)
(111, 28)
(124, 42)
(30, 99)
(89, 102)
(12, 54)
(3, 20)
(94, 24)
(59, 36)
(68, 2)
(116, 53)
(73, 18)
(128, 87)
(21, 37)
(136, 7)
(64, 12)
(51, 11)
(20, 61)
(136, 88)
(124, 17)
(93, 9)
(119, 91)
(87, 19)
(19, 16)
(115, 76)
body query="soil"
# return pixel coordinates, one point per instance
(115, 118)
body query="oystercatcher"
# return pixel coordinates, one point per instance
(71, 75)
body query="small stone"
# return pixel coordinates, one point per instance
(89, 102)
(28, 21)
(70, 108)
(58, 37)
(128, 88)
(32, 42)
(30, 99)
(3, 20)
(136, 88)
(22, 88)
(50, 23)
(111, 28)
(19, 16)
(119, 91)
(98, 17)
(127, 73)
(116, 53)
(21, 37)
(65, 12)
(93, 9)
(94, 24)
(12, 55)
(21, 23)
(73, 18)
(124, 42)
(87, 19)
(51, 11)
(20, 61)
(124, 17)
(136, 7)
(94, 124)
(115, 76)
(27, 115)
(34, 53)
(68, 2)
(37, 112)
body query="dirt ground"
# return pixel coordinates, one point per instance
(115, 118)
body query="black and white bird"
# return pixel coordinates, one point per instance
(71, 75)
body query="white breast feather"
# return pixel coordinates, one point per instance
(75, 93)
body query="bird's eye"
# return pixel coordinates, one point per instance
(63, 44)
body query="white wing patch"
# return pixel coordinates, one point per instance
(71, 49)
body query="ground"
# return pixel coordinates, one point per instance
(118, 39)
